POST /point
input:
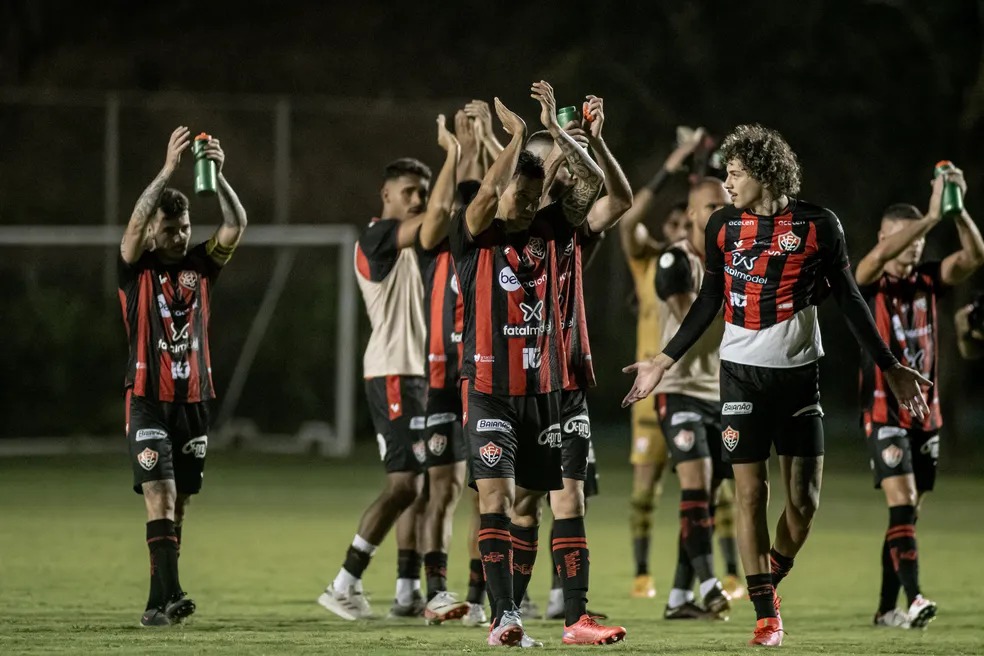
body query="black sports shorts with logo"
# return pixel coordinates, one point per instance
(692, 429)
(577, 451)
(896, 451)
(443, 434)
(762, 406)
(396, 405)
(167, 441)
(514, 437)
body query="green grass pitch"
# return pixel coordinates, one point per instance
(269, 532)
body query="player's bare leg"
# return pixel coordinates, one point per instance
(900, 558)
(445, 485)
(344, 596)
(408, 601)
(476, 573)
(166, 604)
(752, 503)
(495, 503)
(727, 538)
(802, 478)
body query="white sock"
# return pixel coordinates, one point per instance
(679, 597)
(363, 545)
(556, 596)
(405, 589)
(707, 586)
(344, 581)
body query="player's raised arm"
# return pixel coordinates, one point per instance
(606, 212)
(228, 234)
(588, 177)
(480, 114)
(634, 236)
(481, 211)
(134, 241)
(906, 384)
(959, 266)
(434, 228)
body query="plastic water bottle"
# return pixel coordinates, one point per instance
(952, 202)
(205, 173)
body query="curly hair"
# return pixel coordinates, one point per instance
(529, 165)
(765, 155)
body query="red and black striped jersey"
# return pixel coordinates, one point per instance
(571, 258)
(905, 314)
(773, 267)
(444, 312)
(166, 313)
(513, 343)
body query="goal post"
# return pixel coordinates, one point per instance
(234, 425)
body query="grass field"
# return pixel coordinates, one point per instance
(269, 532)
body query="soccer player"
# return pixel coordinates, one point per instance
(514, 365)
(165, 290)
(766, 257)
(444, 439)
(689, 403)
(901, 292)
(389, 277)
(580, 471)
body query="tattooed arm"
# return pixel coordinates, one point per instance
(588, 178)
(233, 214)
(135, 236)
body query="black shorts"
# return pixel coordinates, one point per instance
(514, 437)
(443, 434)
(762, 406)
(575, 434)
(898, 451)
(692, 430)
(396, 405)
(167, 441)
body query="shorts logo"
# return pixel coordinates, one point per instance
(684, 418)
(145, 434)
(579, 425)
(642, 444)
(188, 279)
(666, 260)
(437, 444)
(197, 446)
(931, 447)
(420, 451)
(508, 280)
(892, 456)
(730, 438)
(789, 242)
(147, 458)
(888, 432)
(395, 408)
(441, 418)
(382, 445)
(737, 408)
(418, 423)
(684, 440)
(486, 425)
(491, 454)
(550, 436)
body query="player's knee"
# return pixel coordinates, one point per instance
(568, 503)
(160, 499)
(403, 491)
(752, 495)
(805, 504)
(445, 491)
(497, 502)
(527, 509)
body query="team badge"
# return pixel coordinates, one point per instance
(147, 458)
(536, 247)
(730, 438)
(188, 279)
(491, 454)
(437, 444)
(420, 451)
(892, 456)
(684, 440)
(789, 242)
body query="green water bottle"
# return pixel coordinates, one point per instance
(567, 114)
(951, 204)
(205, 172)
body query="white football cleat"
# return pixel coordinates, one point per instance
(349, 605)
(921, 612)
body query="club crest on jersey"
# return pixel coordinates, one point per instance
(147, 458)
(491, 454)
(730, 438)
(420, 451)
(188, 279)
(684, 440)
(892, 456)
(789, 242)
(437, 444)
(536, 248)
